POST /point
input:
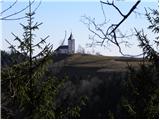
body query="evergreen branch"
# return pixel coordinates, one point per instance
(17, 38)
(41, 42)
(11, 46)
(46, 49)
(36, 26)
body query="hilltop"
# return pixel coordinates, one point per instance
(84, 64)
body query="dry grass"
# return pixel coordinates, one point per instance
(100, 61)
(95, 63)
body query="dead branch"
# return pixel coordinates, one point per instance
(9, 17)
(15, 13)
(112, 4)
(5, 10)
(124, 16)
(112, 33)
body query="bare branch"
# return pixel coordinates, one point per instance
(13, 14)
(126, 16)
(37, 6)
(112, 4)
(13, 18)
(103, 14)
(8, 7)
(112, 33)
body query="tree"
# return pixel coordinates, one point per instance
(142, 87)
(25, 76)
(103, 35)
(29, 90)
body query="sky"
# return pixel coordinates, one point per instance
(59, 16)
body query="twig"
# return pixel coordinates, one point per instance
(7, 17)
(8, 7)
(126, 16)
(112, 4)
(111, 33)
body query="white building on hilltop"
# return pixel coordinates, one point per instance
(67, 49)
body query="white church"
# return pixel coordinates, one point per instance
(67, 49)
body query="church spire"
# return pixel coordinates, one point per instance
(70, 37)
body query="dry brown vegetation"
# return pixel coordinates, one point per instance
(102, 63)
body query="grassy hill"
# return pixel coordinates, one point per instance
(83, 64)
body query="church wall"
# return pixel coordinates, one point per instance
(63, 51)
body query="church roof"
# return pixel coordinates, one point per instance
(62, 47)
(70, 37)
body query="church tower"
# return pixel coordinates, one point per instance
(71, 44)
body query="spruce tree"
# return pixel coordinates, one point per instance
(141, 91)
(29, 90)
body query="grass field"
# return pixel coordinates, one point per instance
(100, 62)
(93, 65)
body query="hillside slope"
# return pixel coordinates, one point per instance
(90, 64)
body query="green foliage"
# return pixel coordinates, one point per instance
(29, 90)
(153, 18)
(45, 102)
(141, 92)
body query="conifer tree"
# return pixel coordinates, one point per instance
(29, 90)
(141, 92)
(25, 77)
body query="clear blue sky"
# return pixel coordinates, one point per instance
(66, 15)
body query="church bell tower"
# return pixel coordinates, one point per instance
(71, 44)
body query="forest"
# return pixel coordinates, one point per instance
(80, 86)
